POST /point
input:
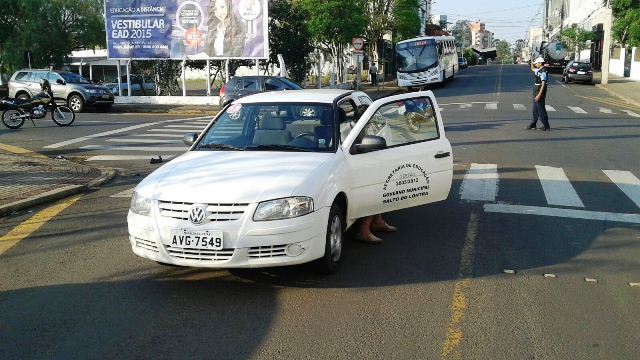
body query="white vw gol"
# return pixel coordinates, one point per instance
(276, 178)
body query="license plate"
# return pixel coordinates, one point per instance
(581, 72)
(105, 96)
(196, 239)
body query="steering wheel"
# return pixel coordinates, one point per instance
(307, 134)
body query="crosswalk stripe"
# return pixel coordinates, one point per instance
(465, 106)
(135, 148)
(627, 182)
(519, 107)
(125, 157)
(145, 141)
(185, 126)
(631, 113)
(161, 135)
(564, 213)
(123, 194)
(480, 183)
(577, 109)
(172, 130)
(557, 187)
(549, 108)
(605, 110)
(491, 106)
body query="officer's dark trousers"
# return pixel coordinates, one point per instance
(539, 112)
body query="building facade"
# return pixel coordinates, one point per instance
(481, 38)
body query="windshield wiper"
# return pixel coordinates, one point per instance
(277, 147)
(219, 147)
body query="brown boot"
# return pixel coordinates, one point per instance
(384, 227)
(369, 239)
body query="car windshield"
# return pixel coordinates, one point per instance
(417, 55)
(272, 127)
(291, 84)
(72, 78)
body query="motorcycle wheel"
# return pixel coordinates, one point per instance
(12, 119)
(63, 116)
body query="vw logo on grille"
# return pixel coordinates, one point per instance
(197, 214)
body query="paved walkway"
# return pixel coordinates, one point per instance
(624, 88)
(28, 179)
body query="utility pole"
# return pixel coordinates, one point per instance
(606, 46)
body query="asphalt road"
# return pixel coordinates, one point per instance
(435, 289)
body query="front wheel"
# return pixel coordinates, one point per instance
(76, 103)
(332, 258)
(12, 119)
(63, 116)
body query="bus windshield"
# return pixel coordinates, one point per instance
(417, 55)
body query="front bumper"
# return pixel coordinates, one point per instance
(247, 244)
(99, 99)
(576, 77)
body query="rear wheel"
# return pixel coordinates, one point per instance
(76, 103)
(63, 116)
(330, 262)
(12, 119)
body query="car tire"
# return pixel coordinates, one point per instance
(24, 96)
(76, 103)
(334, 241)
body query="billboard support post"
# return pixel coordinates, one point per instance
(183, 76)
(129, 77)
(208, 78)
(226, 70)
(119, 79)
(257, 67)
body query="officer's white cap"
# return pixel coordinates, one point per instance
(539, 60)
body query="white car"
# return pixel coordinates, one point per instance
(276, 179)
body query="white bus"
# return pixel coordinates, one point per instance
(426, 60)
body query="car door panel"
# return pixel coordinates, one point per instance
(415, 169)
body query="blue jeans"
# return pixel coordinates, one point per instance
(539, 112)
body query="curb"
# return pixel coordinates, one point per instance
(617, 94)
(106, 175)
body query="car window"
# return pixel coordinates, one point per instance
(248, 84)
(53, 78)
(290, 84)
(73, 78)
(22, 76)
(274, 84)
(36, 76)
(347, 116)
(404, 122)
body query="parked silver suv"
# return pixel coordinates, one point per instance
(78, 91)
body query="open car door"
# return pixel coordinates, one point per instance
(398, 155)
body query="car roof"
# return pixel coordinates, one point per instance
(306, 95)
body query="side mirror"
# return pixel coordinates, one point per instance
(370, 143)
(190, 138)
(60, 81)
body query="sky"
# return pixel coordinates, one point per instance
(507, 19)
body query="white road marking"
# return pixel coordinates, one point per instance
(577, 109)
(631, 113)
(549, 108)
(557, 187)
(125, 157)
(111, 132)
(560, 82)
(491, 106)
(627, 182)
(136, 148)
(172, 130)
(185, 126)
(564, 213)
(605, 110)
(145, 141)
(465, 106)
(161, 135)
(105, 122)
(519, 107)
(123, 194)
(480, 183)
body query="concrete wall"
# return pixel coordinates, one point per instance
(616, 63)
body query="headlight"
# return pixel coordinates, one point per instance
(140, 205)
(91, 91)
(283, 208)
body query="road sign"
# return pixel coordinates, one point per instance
(358, 45)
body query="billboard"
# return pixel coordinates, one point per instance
(192, 29)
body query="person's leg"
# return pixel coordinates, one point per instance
(364, 234)
(536, 114)
(380, 225)
(543, 114)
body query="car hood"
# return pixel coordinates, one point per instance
(90, 86)
(230, 176)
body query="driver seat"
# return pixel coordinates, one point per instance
(324, 131)
(271, 131)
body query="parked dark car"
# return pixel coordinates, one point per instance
(240, 86)
(462, 62)
(578, 71)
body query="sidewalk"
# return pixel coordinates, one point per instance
(28, 179)
(624, 88)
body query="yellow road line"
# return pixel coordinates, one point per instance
(31, 225)
(20, 151)
(614, 102)
(451, 346)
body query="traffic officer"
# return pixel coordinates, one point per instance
(539, 94)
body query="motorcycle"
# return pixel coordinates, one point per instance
(17, 111)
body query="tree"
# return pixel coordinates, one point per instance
(576, 38)
(470, 56)
(289, 36)
(518, 47)
(380, 22)
(406, 21)
(626, 25)
(503, 52)
(462, 33)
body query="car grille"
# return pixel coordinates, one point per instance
(215, 212)
(259, 252)
(199, 254)
(145, 244)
